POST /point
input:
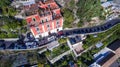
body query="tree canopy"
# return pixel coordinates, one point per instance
(88, 9)
(6, 9)
(68, 17)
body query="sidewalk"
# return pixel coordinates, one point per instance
(10, 39)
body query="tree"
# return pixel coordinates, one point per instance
(88, 9)
(72, 4)
(6, 9)
(68, 16)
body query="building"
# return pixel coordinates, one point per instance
(43, 17)
(117, 1)
(18, 3)
(111, 8)
(107, 56)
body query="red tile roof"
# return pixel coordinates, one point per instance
(43, 15)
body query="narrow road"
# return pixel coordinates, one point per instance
(90, 30)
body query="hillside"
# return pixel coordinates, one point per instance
(77, 12)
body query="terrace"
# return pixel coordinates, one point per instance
(53, 7)
(44, 12)
(57, 51)
(30, 7)
(57, 16)
(78, 48)
(31, 12)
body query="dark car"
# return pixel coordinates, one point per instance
(30, 36)
(2, 40)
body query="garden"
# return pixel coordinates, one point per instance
(57, 51)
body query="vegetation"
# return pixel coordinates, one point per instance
(8, 58)
(88, 9)
(64, 62)
(79, 24)
(6, 9)
(57, 51)
(90, 40)
(68, 17)
(62, 40)
(11, 27)
(87, 57)
(71, 4)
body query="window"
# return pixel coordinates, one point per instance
(46, 20)
(34, 19)
(57, 24)
(42, 21)
(48, 25)
(37, 29)
(48, 6)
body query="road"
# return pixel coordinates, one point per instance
(87, 30)
(91, 30)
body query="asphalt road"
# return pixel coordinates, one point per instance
(89, 30)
